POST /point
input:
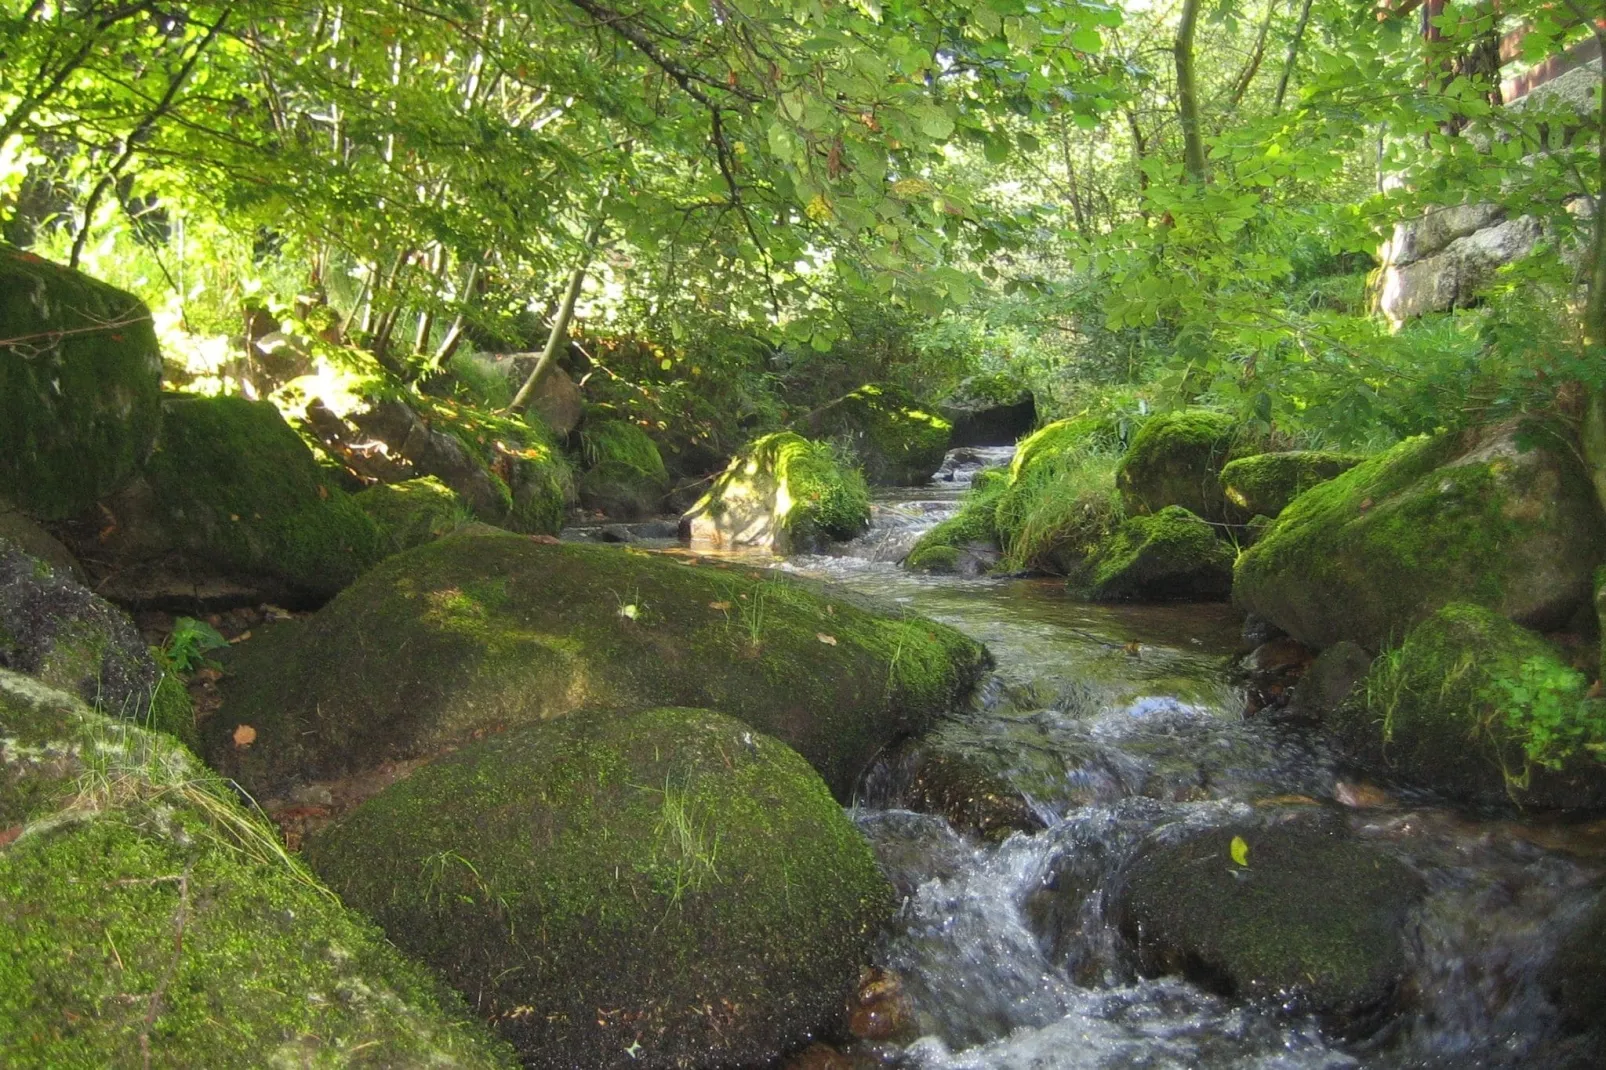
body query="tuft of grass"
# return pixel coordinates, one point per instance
(1057, 510)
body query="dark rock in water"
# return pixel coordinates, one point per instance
(1270, 673)
(1328, 682)
(898, 441)
(79, 386)
(1176, 459)
(666, 889)
(152, 920)
(1170, 556)
(482, 631)
(1575, 981)
(1302, 913)
(233, 501)
(55, 630)
(1481, 711)
(990, 410)
(913, 848)
(1258, 630)
(1487, 518)
(968, 791)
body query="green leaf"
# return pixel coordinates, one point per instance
(1240, 850)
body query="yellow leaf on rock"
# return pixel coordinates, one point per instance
(828, 640)
(1240, 850)
(244, 736)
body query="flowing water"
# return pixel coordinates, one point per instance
(1112, 723)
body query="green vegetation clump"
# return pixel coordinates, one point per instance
(1369, 554)
(79, 386)
(517, 452)
(898, 440)
(624, 474)
(938, 550)
(1061, 500)
(1176, 458)
(689, 875)
(151, 920)
(484, 630)
(238, 488)
(782, 492)
(413, 512)
(1264, 484)
(1481, 710)
(1171, 555)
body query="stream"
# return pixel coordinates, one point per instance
(1114, 721)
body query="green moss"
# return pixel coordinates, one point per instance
(414, 512)
(785, 492)
(1168, 556)
(898, 440)
(692, 877)
(1061, 500)
(938, 549)
(1079, 434)
(1479, 709)
(533, 479)
(151, 921)
(1176, 458)
(1367, 555)
(238, 488)
(481, 630)
(1266, 483)
(625, 473)
(79, 381)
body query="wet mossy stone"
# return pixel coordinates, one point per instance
(1310, 918)
(150, 920)
(58, 631)
(481, 631)
(1170, 556)
(989, 410)
(966, 543)
(1454, 708)
(237, 492)
(782, 492)
(80, 379)
(624, 476)
(30, 538)
(1475, 518)
(1176, 458)
(1264, 484)
(665, 889)
(413, 512)
(899, 441)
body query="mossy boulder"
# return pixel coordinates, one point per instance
(967, 543)
(482, 631)
(1475, 518)
(624, 476)
(25, 534)
(1304, 915)
(151, 921)
(1060, 502)
(898, 440)
(54, 629)
(413, 512)
(1481, 711)
(1176, 458)
(80, 379)
(1170, 556)
(782, 493)
(1264, 484)
(665, 889)
(989, 410)
(232, 494)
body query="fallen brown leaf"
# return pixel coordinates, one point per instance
(244, 736)
(828, 640)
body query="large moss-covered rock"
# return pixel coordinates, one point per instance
(54, 629)
(79, 382)
(150, 921)
(413, 512)
(1478, 518)
(782, 493)
(478, 632)
(1304, 914)
(232, 494)
(664, 889)
(1264, 484)
(1472, 707)
(1170, 556)
(1176, 458)
(989, 410)
(625, 476)
(899, 441)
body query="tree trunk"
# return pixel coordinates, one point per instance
(560, 322)
(1193, 157)
(1293, 55)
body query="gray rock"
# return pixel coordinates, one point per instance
(1328, 681)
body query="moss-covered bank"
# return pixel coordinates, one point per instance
(79, 381)
(784, 493)
(482, 631)
(1478, 518)
(898, 440)
(150, 921)
(1479, 710)
(660, 890)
